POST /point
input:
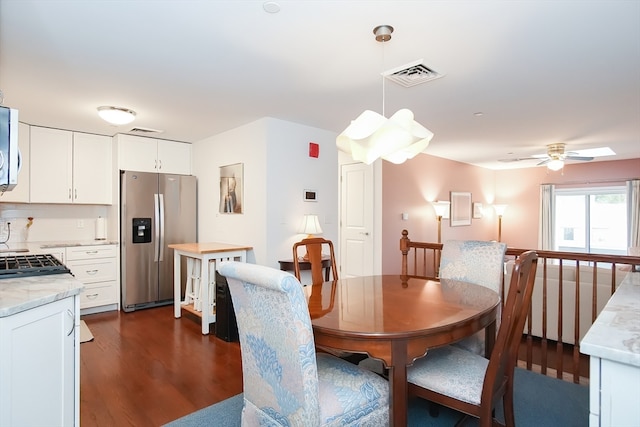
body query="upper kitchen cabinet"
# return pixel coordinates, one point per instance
(142, 154)
(20, 193)
(70, 167)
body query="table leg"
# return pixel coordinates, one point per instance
(398, 390)
(489, 339)
(176, 285)
(204, 292)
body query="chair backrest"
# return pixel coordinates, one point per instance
(514, 314)
(280, 377)
(474, 261)
(314, 246)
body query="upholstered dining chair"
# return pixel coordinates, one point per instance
(285, 381)
(466, 381)
(474, 261)
(314, 247)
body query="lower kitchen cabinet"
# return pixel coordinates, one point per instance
(96, 267)
(40, 366)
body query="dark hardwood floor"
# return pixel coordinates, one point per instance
(147, 368)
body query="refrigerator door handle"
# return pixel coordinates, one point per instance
(161, 243)
(156, 227)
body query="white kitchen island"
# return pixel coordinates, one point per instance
(40, 351)
(208, 255)
(613, 343)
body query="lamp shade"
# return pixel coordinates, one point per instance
(310, 225)
(441, 208)
(372, 136)
(500, 209)
(116, 115)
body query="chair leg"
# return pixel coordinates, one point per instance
(509, 417)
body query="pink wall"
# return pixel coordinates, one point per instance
(410, 187)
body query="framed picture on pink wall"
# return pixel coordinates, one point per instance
(460, 208)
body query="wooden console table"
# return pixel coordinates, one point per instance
(206, 253)
(287, 265)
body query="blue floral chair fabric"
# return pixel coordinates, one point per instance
(286, 383)
(474, 261)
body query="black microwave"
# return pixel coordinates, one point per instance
(9, 152)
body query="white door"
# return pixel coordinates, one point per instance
(356, 219)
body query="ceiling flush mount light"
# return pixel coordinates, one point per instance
(116, 115)
(372, 135)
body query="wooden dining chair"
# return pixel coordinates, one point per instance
(285, 382)
(314, 247)
(466, 381)
(474, 261)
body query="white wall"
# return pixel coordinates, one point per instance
(277, 169)
(51, 222)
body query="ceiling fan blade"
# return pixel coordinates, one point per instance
(544, 162)
(516, 159)
(584, 158)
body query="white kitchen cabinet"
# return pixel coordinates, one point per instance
(70, 167)
(153, 155)
(39, 366)
(614, 399)
(20, 193)
(97, 268)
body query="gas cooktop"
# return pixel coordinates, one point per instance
(16, 266)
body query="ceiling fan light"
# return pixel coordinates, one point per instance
(555, 164)
(116, 115)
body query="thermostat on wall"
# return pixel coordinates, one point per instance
(310, 196)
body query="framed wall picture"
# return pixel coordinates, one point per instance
(231, 189)
(460, 208)
(477, 210)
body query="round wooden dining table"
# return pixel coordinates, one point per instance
(397, 319)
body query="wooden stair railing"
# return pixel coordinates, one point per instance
(548, 356)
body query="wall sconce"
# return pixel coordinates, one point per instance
(442, 211)
(500, 211)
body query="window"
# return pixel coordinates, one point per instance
(591, 220)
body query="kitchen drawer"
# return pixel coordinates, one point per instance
(93, 270)
(91, 252)
(97, 294)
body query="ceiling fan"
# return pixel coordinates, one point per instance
(555, 157)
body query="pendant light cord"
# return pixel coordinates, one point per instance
(382, 74)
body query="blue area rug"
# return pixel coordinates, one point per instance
(540, 401)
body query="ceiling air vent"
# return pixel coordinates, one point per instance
(412, 74)
(144, 131)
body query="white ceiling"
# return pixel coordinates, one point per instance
(540, 72)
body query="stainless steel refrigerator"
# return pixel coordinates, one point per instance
(156, 210)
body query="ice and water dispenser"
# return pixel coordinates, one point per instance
(141, 230)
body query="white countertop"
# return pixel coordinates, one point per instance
(22, 294)
(615, 335)
(39, 246)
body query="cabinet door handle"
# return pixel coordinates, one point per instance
(69, 194)
(91, 252)
(92, 296)
(73, 321)
(160, 163)
(92, 272)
